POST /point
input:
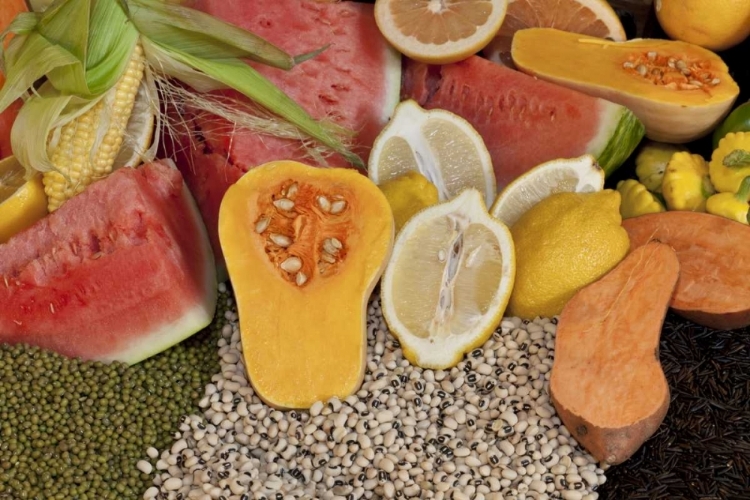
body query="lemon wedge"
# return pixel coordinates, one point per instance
(438, 144)
(439, 32)
(574, 175)
(22, 202)
(448, 281)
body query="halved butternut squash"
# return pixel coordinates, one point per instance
(679, 91)
(304, 248)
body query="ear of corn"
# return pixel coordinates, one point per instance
(93, 53)
(88, 145)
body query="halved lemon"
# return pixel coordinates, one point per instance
(576, 175)
(22, 202)
(439, 31)
(438, 144)
(586, 17)
(448, 281)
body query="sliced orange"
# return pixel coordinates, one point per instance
(587, 17)
(22, 202)
(439, 31)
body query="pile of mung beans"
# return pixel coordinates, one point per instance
(484, 429)
(74, 430)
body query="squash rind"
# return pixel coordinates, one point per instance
(594, 66)
(305, 343)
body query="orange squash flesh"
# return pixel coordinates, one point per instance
(607, 383)
(304, 248)
(678, 90)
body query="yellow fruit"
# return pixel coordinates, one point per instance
(439, 32)
(438, 144)
(448, 281)
(564, 243)
(579, 175)
(714, 24)
(22, 202)
(586, 17)
(407, 195)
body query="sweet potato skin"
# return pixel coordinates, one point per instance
(714, 260)
(607, 383)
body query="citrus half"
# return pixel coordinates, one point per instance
(438, 144)
(575, 175)
(22, 202)
(439, 31)
(448, 282)
(587, 17)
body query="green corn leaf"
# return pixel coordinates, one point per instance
(39, 5)
(111, 41)
(27, 59)
(160, 59)
(66, 24)
(202, 35)
(243, 78)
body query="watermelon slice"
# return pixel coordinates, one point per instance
(356, 82)
(525, 121)
(120, 272)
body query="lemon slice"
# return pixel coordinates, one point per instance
(448, 282)
(575, 175)
(439, 31)
(22, 202)
(438, 144)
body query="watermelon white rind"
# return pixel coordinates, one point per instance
(619, 134)
(120, 272)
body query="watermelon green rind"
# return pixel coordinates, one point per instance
(193, 320)
(616, 142)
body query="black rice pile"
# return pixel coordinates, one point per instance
(702, 450)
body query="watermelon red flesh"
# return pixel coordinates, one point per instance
(523, 121)
(355, 81)
(120, 272)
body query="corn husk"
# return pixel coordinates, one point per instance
(80, 48)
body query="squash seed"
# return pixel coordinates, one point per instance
(641, 69)
(281, 240)
(291, 264)
(284, 204)
(336, 243)
(681, 64)
(327, 257)
(715, 81)
(628, 65)
(300, 279)
(291, 191)
(324, 204)
(329, 247)
(262, 224)
(338, 206)
(651, 56)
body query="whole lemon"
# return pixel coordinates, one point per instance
(714, 24)
(408, 194)
(563, 243)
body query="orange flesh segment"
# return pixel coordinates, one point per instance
(452, 21)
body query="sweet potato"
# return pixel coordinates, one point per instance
(714, 260)
(607, 383)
